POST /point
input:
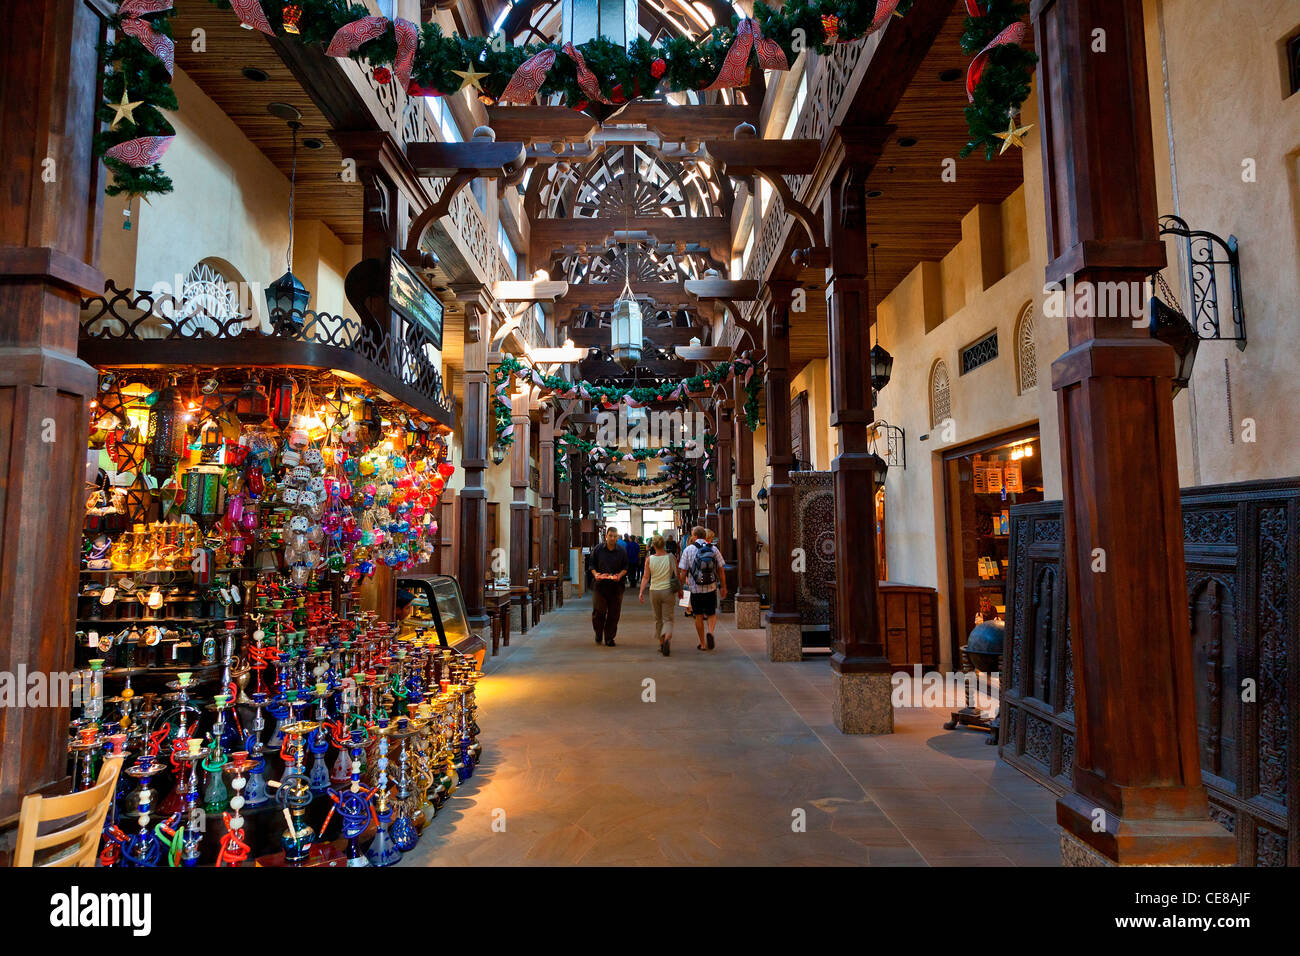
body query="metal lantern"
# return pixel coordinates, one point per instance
(251, 404)
(286, 301)
(1170, 326)
(166, 445)
(882, 364)
(282, 402)
(641, 471)
(879, 469)
(626, 331)
(498, 453)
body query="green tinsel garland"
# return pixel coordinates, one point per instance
(623, 73)
(607, 397)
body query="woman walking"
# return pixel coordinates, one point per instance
(659, 575)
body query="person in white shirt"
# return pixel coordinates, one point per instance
(700, 569)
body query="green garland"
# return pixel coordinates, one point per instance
(674, 64)
(1004, 84)
(608, 397)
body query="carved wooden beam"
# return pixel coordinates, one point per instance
(529, 290)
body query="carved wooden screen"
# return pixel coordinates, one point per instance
(1240, 543)
(814, 532)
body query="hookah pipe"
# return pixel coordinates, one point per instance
(192, 754)
(382, 851)
(353, 804)
(234, 849)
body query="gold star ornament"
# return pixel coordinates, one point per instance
(470, 77)
(124, 110)
(1014, 136)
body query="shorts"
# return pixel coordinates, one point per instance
(705, 604)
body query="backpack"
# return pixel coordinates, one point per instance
(704, 566)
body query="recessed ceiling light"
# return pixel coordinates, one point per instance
(312, 143)
(907, 141)
(254, 74)
(947, 76)
(284, 111)
(874, 193)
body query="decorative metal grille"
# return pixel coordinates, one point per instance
(404, 360)
(1211, 261)
(979, 353)
(1026, 356)
(940, 397)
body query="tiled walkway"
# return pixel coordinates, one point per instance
(718, 768)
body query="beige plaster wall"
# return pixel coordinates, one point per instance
(1227, 107)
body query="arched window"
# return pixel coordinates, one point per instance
(1026, 357)
(940, 399)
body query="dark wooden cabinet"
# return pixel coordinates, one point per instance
(908, 622)
(1240, 543)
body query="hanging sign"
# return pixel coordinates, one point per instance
(414, 301)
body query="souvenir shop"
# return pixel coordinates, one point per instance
(239, 633)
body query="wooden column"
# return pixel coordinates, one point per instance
(748, 612)
(475, 426)
(563, 523)
(784, 633)
(546, 487)
(1137, 795)
(520, 515)
(860, 690)
(725, 529)
(50, 219)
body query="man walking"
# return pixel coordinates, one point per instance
(700, 570)
(607, 565)
(633, 559)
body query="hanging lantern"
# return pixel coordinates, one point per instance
(446, 469)
(166, 445)
(251, 404)
(286, 301)
(338, 408)
(203, 491)
(641, 471)
(281, 404)
(626, 331)
(882, 364)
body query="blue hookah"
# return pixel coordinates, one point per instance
(382, 850)
(255, 792)
(404, 833)
(353, 804)
(144, 848)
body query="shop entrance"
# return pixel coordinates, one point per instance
(982, 481)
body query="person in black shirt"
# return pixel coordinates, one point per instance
(607, 565)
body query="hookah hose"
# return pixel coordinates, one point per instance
(114, 840)
(234, 850)
(171, 837)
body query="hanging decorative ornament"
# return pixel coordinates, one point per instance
(251, 404)
(290, 17)
(281, 405)
(831, 27)
(471, 78)
(124, 110)
(1014, 136)
(658, 68)
(383, 76)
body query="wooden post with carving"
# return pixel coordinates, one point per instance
(475, 426)
(860, 688)
(1137, 796)
(49, 253)
(784, 631)
(520, 513)
(748, 613)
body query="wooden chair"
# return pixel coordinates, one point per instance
(90, 807)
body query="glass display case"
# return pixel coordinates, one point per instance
(439, 607)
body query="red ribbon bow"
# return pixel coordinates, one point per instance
(749, 36)
(884, 10)
(250, 12)
(587, 81)
(159, 44)
(141, 151)
(349, 37)
(528, 79)
(1015, 34)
